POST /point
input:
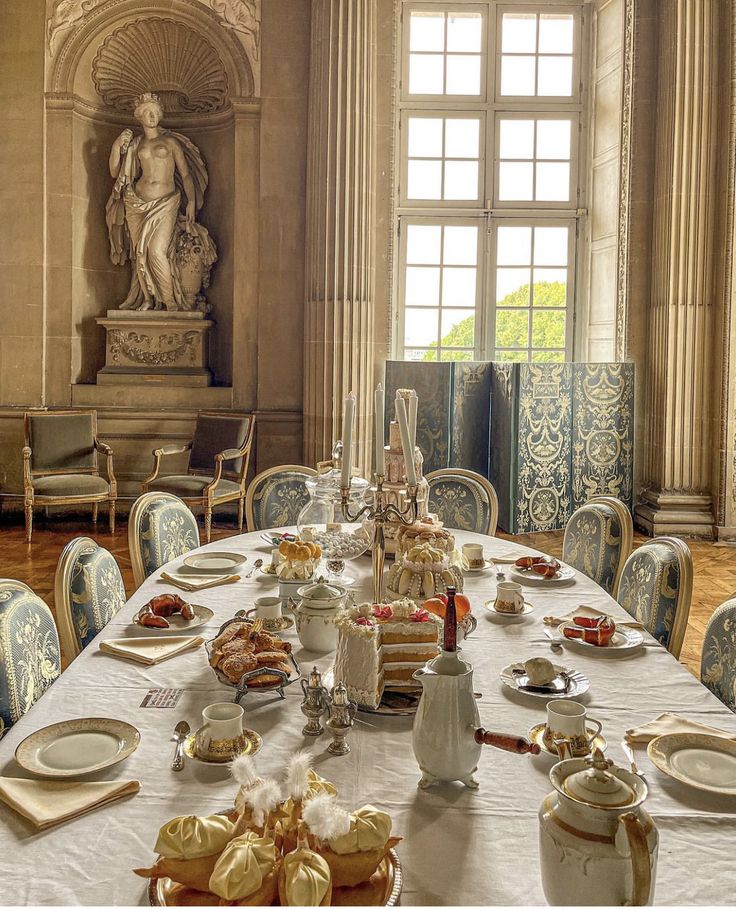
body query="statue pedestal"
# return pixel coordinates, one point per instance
(155, 347)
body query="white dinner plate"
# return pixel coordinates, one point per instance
(702, 760)
(578, 682)
(565, 575)
(622, 641)
(177, 623)
(71, 748)
(215, 563)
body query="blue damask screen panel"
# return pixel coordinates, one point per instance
(470, 427)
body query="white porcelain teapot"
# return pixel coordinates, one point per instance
(597, 845)
(316, 613)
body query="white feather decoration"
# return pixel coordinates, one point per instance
(263, 799)
(297, 775)
(326, 820)
(243, 770)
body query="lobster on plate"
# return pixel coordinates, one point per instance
(154, 614)
(594, 630)
(544, 566)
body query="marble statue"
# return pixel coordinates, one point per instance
(160, 180)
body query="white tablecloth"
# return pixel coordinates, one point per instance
(459, 847)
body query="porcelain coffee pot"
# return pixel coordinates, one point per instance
(597, 845)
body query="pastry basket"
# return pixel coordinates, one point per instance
(241, 687)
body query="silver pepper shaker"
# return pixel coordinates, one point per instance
(342, 714)
(314, 704)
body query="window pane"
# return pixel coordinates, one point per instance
(555, 34)
(458, 287)
(427, 31)
(519, 33)
(455, 356)
(425, 137)
(415, 355)
(548, 356)
(423, 243)
(550, 287)
(458, 328)
(462, 137)
(420, 326)
(555, 75)
(512, 287)
(422, 286)
(461, 245)
(425, 180)
(463, 75)
(517, 138)
(515, 180)
(511, 356)
(461, 180)
(426, 74)
(550, 246)
(548, 329)
(553, 139)
(517, 76)
(553, 182)
(464, 32)
(515, 246)
(512, 328)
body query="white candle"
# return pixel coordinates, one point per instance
(347, 440)
(411, 475)
(380, 400)
(413, 403)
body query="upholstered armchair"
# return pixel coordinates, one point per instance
(88, 592)
(718, 662)
(29, 647)
(160, 528)
(598, 539)
(463, 499)
(219, 440)
(60, 463)
(277, 496)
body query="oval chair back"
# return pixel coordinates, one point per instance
(463, 499)
(718, 662)
(598, 539)
(276, 496)
(656, 588)
(160, 528)
(88, 592)
(29, 645)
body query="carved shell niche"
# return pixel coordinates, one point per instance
(161, 56)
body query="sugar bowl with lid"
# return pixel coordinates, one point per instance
(315, 615)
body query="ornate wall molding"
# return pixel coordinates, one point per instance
(624, 204)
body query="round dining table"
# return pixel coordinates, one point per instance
(459, 846)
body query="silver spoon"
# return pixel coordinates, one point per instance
(256, 565)
(554, 644)
(181, 731)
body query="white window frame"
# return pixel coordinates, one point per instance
(488, 213)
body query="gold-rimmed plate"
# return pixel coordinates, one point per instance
(622, 641)
(214, 562)
(701, 760)
(177, 623)
(72, 748)
(565, 575)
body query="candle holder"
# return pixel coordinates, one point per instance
(380, 513)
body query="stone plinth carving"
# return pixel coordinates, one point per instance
(155, 347)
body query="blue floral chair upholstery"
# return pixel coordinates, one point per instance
(463, 500)
(89, 591)
(30, 659)
(598, 540)
(656, 588)
(718, 663)
(276, 497)
(160, 528)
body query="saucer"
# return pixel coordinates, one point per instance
(490, 605)
(252, 743)
(536, 735)
(274, 625)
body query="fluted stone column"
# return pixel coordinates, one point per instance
(338, 331)
(680, 388)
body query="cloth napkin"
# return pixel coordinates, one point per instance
(185, 585)
(671, 723)
(48, 802)
(151, 650)
(590, 612)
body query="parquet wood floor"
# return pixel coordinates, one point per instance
(714, 565)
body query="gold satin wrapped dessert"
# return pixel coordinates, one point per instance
(286, 843)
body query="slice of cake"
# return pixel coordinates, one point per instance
(380, 646)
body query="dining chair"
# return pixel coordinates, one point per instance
(463, 499)
(30, 658)
(160, 528)
(88, 592)
(219, 439)
(60, 463)
(598, 539)
(656, 588)
(718, 661)
(276, 496)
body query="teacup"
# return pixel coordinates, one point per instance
(473, 553)
(566, 730)
(509, 597)
(221, 737)
(268, 607)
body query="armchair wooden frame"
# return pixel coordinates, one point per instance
(684, 600)
(627, 533)
(208, 498)
(482, 482)
(259, 478)
(62, 594)
(31, 498)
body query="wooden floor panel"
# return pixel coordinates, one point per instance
(714, 565)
